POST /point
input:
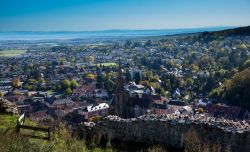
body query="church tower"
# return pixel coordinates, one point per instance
(120, 101)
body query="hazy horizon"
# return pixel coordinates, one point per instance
(50, 35)
(124, 29)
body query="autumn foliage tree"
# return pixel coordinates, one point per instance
(194, 143)
(16, 83)
(238, 89)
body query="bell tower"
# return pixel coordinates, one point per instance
(119, 102)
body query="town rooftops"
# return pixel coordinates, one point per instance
(160, 106)
(66, 101)
(101, 106)
(159, 99)
(176, 102)
(55, 102)
(202, 103)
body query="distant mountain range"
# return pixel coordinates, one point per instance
(64, 35)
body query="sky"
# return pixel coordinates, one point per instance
(89, 15)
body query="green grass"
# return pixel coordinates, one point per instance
(107, 64)
(61, 141)
(7, 122)
(11, 53)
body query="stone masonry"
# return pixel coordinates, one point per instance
(170, 130)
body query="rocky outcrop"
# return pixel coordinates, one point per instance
(171, 129)
(7, 107)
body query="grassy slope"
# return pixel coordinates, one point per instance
(62, 141)
(7, 122)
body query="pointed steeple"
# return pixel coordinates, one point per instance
(119, 79)
(120, 99)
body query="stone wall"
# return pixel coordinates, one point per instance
(170, 130)
(7, 106)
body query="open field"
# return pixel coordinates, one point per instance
(11, 53)
(107, 64)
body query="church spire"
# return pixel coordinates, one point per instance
(120, 100)
(119, 80)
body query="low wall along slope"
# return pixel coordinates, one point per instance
(170, 130)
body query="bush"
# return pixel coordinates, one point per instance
(193, 143)
(11, 142)
(157, 148)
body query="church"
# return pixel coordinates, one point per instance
(119, 104)
(126, 106)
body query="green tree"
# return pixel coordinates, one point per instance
(194, 67)
(74, 83)
(168, 85)
(163, 92)
(68, 91)
(90, 76)
(145, 83)
(1, 94)
(100, 78)
(90, 59)
(66, 84)
(246, 64)
(189, 81)
(215, 93)
(28, 87)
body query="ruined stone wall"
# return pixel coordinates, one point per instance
(170, 130)
(7, 106)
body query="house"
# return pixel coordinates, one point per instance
(135, 90)
(223, 110)
(5, 86)
(173, 102)
(93, 111)
(160, 109)
(100, 93)
(159, 105)
(186, 110)
(18, 98)
(6, 83)
(138, 105)
(58, 114)
(159, 99)
(86, 90)
(176, 105)
(134, 72)
(202, 103)
(24, 108)
(39, 115)
(177, 93)
(60, 103)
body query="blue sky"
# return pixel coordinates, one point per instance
(81, 15)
